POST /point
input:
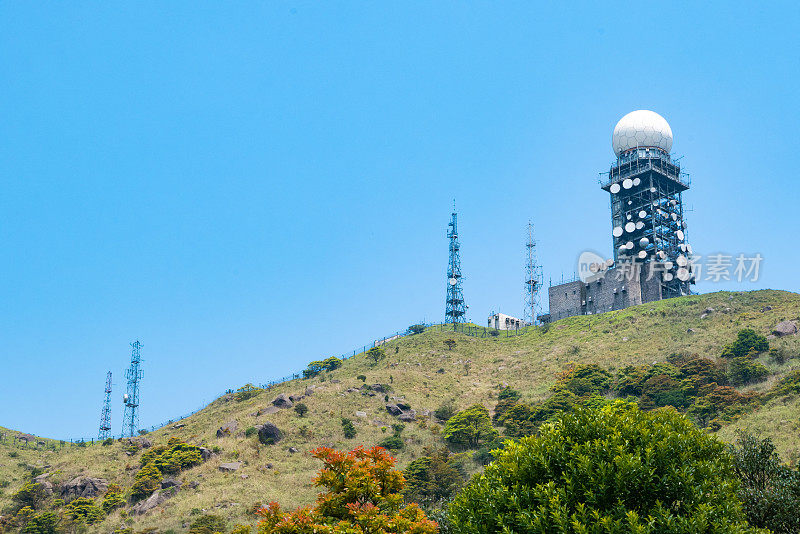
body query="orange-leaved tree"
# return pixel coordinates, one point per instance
(363, 497)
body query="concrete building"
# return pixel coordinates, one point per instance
(652, 257)
(501, 321)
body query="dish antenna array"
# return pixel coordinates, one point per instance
(533, 278)
(105, 415)
(455, 309)
(130, 420)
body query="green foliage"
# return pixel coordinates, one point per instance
(113, 498)
(444, 412)
(83, 511)
(416, 329)
(173, 457)
(207, 524)
(508, 393)
(583, 379)
(789, 384)
(42, 523)
(247, 391)
(146, 481)
(31, 494)
(348, 428)
(742, 371)
(363, 378)
(470, 427)
(108, 441)
(450, 343)
(316, 367)
(300, 409)
(392, 443)
(748, 344)
(249, 431)
(433, 478)
(770, 491)
(376, 354)
(241, 529)
(609, 470)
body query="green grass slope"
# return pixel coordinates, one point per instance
(423, 373)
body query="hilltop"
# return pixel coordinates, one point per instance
(423, 373)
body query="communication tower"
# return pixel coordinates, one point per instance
(533, 278)
(455, 309)
(105, 415)
(130, 421)
(646, 186)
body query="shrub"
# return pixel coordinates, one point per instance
(450, 343)
(508, 393)
(416, 329)
(770, 491)
(444, 412)
(777, 355)
(83, 511)
(789, 384)
(300, 409)
(113, 498)
(207, 524)
(247, 391)
(249, 431)
(376, 354)
(612, 469)
(146, 481)
(348, 428)
(363, 378)
(470, 427)
(432, 478)
(316, 367)
(108, 441)
(748, 344)
(501, 409)
(42, 523)
(31, 494)
(583, 379)
(241, 529)
(173, 457)
(392, 443)
(744, 371)
(363, 494)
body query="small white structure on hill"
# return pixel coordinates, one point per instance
(501, 321)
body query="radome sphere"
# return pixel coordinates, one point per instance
(641, 128)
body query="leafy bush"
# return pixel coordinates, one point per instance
(113, 498)
(173, 457)
(249, 431)
(247, 391)
(613, 469)
(316, 367)
(108, 441)
(583, 379)
(300, 409)
(450, 343)
(789, 384)
(31, 494)
(508, 393)
(348, 428)
(770, 491)
(444, 412)
(83, 511)
(207, 524)
(363, 495)
(241, 529)
(748, 344)
(42, 523)
(416, 329)
(146, 481)
(392, 443)
(470, 427)
(363, 378)
(376, 354)
(432, 478)
(744, 371)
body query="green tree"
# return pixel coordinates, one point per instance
(744, 371)
(748, 344)
(470, 427)
(31, 494)
(42, 523)
(613, 469)
(83, 511)
(433, 478)
(376, 354)
(770, 491)
(416, 329)
(113, 498)
(348, 428)
(146, 481)
(450, 343)
(300, 409)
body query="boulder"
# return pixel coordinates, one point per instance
(268, 433)
(292, 450)
(407, 417)
(296, 398)
(394, 409)
(230, 467)
(361, 414)
(179, 425)
(785, 328)
(310, 390)
(27, 438)
(83, 487)
(403, 406)
(170, 483)
(282, 401)
(46, 484)
(380, 388)
(140, 442)
(227, 429)
(158, 497)
(205, 454)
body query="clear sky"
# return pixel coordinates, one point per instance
(247, 186)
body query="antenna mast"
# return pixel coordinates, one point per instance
(455, 309)
(130, 421)
(533, 278)
(105, 415)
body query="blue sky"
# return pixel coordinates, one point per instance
(245, 187)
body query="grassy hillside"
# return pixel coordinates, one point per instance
(422, 372)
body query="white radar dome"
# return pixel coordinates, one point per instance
(641, 128)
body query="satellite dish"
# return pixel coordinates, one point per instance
(667, 277)
(673, 202)
(617, 231)
(662, 254)
(682, 247)
(642, 254)
(683, 274)
(630, 227)
(652, 189)
(639, 225)
(668, 265)
(453, 281)
(642, 214)
(629, 216)
(681, 260)
(689, 249)
(637, 181)
(609, 262)
(679, 233)
(615, 188)
(643, 242)
(629, 245)
(627, 183)
(125, 398)
(630, 202)
(674, 216)
(622, 249)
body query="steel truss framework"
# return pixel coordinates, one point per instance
(105, 414)
(455, 308)
(130, 420)
(533, 278)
